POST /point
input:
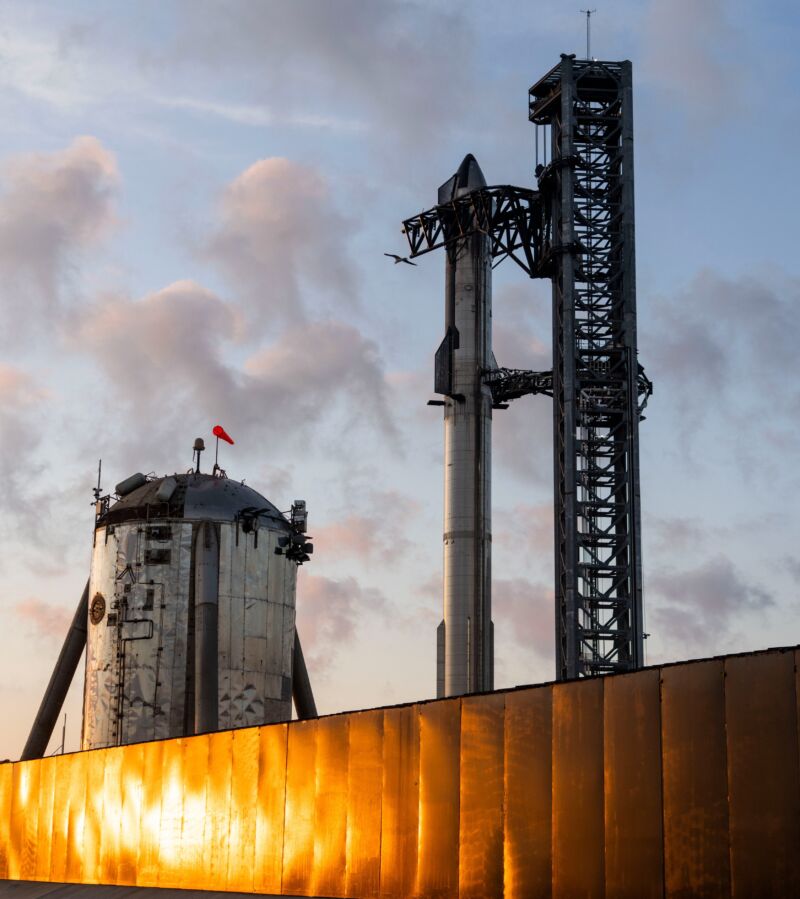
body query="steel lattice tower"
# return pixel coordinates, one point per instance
(587, 193)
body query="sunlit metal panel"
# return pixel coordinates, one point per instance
(364, 788)
(400, 805)
(47, 779)
(19, 809)
(112, 807)
(480, 867)
(77, 775)
(528, 794)
(169, 873)
(439, 777)
(131, 815)
(218, 809)
(95, 819)
(152, 766)
(696, 854)
(578, 820)
(634, 862)
(271, 807)
(194, 853)
(298, 843)
(242, 830)
(6, 791)
(330, 807)
(763, 776)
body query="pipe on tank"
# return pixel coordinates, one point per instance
(302, 694)
(206, 617)
(60, 680)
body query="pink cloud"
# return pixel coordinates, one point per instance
(46, 619)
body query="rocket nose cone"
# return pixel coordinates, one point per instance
(469, 176)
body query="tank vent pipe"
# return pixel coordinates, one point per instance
(206, 617)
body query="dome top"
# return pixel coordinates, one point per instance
(192, 496)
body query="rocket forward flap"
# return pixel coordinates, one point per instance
(443, 363)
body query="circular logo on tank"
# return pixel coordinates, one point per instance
(97, 609)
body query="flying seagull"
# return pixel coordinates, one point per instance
(399, 259)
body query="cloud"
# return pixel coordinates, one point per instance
(523, 611)
(696, 607)
(370, 537)
(53, 206)
(175, 349)
(527, 526)
(46, 619)
(280, 240)
(329, 613)
(687, 50)
(358, 57)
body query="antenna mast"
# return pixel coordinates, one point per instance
(588, 14)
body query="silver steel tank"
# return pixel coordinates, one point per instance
(191, 611)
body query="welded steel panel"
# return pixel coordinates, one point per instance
(763, 775)
(130, 813)
(528, 793)
(193, 854)
(47, 779)
(298, 841)
(364, 789)
(634, 862)
(19, 852)
(77, 777)
(271, 806)
(218, 809)
(480, 869)
(60, 844)
(150, 838)
(330, 807)
(172, 788)
(28, 797)
(400, 804)
(93, 829)
(439, 777)
(578, 820)
(244, 797)
(696, 854)
(111, 825)
(6, 792)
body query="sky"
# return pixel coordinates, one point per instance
(195, 199)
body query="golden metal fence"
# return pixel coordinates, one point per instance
(673, 781)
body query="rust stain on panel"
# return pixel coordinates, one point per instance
(439, 777)
(218, 814)
(152, 766)
(298, 844)
(400, 805)
(364, 786)
(763, 777)
(578, 818)
(242, 830)
(330, 807)
(480, 868)
(634, 861)
(270, 858)
(528, 793)
(696, 855)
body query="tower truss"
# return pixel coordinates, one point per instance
(586, 189)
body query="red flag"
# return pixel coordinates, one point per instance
(220, 432)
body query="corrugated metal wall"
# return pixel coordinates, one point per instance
(679, 781)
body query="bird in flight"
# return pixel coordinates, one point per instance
(399, 259)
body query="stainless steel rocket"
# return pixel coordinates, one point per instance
(465, 640)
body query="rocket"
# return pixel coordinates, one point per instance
(465, 640)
